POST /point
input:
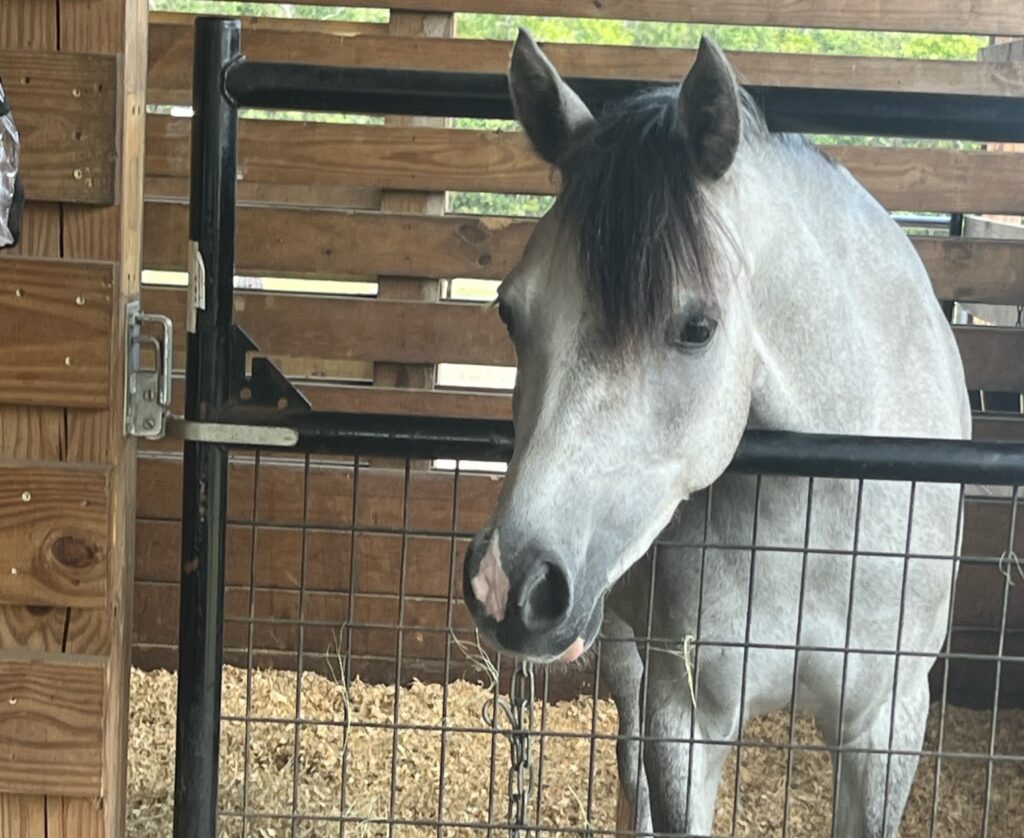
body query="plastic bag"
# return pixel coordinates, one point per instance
(12, 194)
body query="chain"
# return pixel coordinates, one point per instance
(518, 711)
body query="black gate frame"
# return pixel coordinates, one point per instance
(219, 390)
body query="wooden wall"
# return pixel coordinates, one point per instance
(330, 202)
(75, 74)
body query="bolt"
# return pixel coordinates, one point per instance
(13, 699)
(149, 424)
(14, 571)
(76, 92)
(78, 174)
(18, 292)
(26, 496)
(80, 300)
(67, 361)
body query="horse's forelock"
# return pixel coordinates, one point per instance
(640, 217)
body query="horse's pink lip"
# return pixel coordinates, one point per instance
(574, 651)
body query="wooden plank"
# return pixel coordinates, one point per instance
(53, 535)
(268, 39)
(31, 433)
(41, 298)
(995, 428)
(74, 817)
(472, 334)
(63, 104)
(22, 816)
(986, 351)
(276, 241)
(117, 28)
(433, 159)
(424, 289)
(171, 38)
(974, 270)
(51, 724)
(983, 17)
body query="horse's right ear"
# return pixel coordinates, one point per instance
(547, 108)
(709, 111)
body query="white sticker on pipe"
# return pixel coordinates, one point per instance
(196, 284)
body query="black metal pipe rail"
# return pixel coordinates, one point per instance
(761, 452)
(812, 110)
(223, 82)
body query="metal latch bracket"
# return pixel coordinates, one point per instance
(147, 403)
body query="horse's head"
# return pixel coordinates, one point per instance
(632, 334)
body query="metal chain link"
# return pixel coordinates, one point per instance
(518, 712)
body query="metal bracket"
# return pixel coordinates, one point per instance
(147, 404)
(147, 391)
(223, 433)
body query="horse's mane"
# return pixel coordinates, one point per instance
(632, 196)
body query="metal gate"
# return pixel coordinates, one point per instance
(242, 403)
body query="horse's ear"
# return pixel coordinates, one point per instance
(709, 110)
(548, 109)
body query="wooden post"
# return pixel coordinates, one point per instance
(422, 289)
(67, 489)
(1004, 49)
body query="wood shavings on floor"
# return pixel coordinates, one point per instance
(474, 787)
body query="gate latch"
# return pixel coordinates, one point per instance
(147, 403)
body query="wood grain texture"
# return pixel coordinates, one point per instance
(55, 332)
(23, 816)
(30, 433)
(74, 817)
(51, 724)
(983, 17)
(53, 535)
(334, 157)
(39, 628)
(275, 241)
(63, 105)
(117, 28)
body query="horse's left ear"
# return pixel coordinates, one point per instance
(548, 109)
(709, 110)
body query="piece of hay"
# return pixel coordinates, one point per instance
(353, 726)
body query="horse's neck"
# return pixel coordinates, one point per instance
(818, 248)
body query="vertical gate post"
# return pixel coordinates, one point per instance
(204, 508)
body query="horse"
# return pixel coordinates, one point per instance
(696, 276)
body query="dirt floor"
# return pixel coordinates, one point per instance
(277, 784)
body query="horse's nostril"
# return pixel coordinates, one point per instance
(545, 598)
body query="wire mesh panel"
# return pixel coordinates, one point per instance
(359, 700)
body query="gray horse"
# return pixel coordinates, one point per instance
(698, 276)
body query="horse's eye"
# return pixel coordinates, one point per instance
(505, 313)
(695, 331)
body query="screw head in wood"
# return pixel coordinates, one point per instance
(26, 496)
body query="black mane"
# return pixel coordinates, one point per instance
(631, 193)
